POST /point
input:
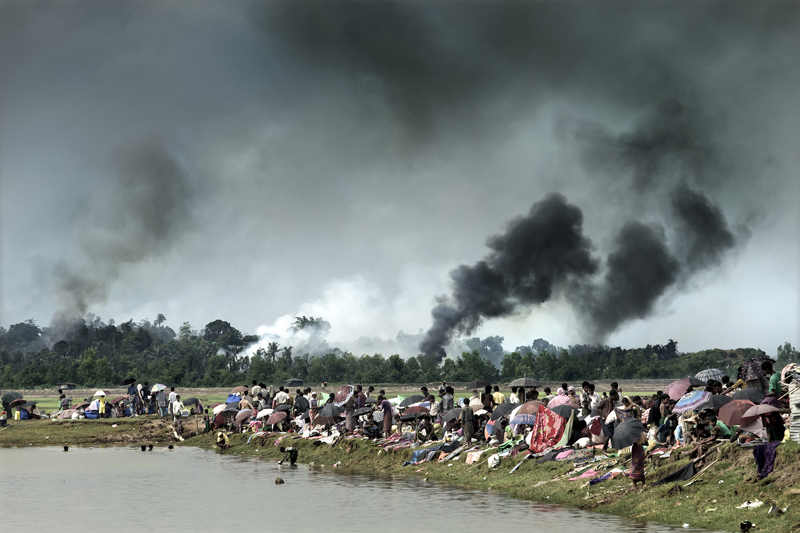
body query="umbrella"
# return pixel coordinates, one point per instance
(414, 398)
(230, 409)
(677, 389)
(118, 399)
(238, 389)
(28, 405)
(525, 414)
(715, 402)
(127, 381)
(397, 399)
(190, 401)
(452, 414)
(10, 396)
(480, 384)
(752, 369)
(503, 409)
(94, 406)
(99, 394)
(525, 382)
(627, 433)
(690, 401)
(564, 410)
(82, 405)
(731, 413)
(756, 427)
(264, 412)
(419, 409)
(274, 418)
(20, 402)
(343, 394)
(244, 413)
(284, 408)
(158, 387)
(218, 409)
(331, 410)
(754, 395)
(363, 411)
(371, 400)
(756, 411)
(491, 427)
(710, 373)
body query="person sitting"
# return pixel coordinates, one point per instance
(222, 441)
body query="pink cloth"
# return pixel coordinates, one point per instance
(588, 473)
(564, 455)
(561, 399)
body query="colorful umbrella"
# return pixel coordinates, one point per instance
(396, 400)
(754, 395)
(274, 418)
(691, 401)
(158, 387)
(244, 413)
(677, 389)
(731, 413)
(710, 373)
(752, 369)
(343, 394)
(756, 411)
(627, 433)
(491, 427)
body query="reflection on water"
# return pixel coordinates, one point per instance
(187, 489)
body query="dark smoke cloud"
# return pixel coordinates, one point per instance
(702, 227)
(145, 211)
(536, 255)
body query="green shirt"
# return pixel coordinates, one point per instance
(726, 432)
(775, 383)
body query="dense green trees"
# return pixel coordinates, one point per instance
(98, 354)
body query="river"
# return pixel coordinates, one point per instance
(120, 489)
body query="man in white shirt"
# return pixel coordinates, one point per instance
(513, 396)
(177, 407)
(172, 397)
(281, 398)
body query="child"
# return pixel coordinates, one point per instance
(207, 422)
(291, 454)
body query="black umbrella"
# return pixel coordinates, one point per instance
(284, 408)
(627, 433)
(230, 409)
(362, 411)
(414, 398)
(564, 411)
(715, 402)
(697, 382)
(525, 382)
(331, 410)
(190, 401)
(504, 409)
(754, 395)
(452, 414)
(371, 400)
(28, 405)
(10, 396)
(127, 381)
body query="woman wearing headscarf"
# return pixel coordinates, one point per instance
(654, 418)
(628, 410)
(575, 399)
(562, 398)
(637, 459)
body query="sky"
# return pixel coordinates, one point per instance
(257, 161)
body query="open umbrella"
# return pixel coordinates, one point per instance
(752, 369)
(715, 402)
(274, 418)
(286, 408)
(10, 396)
(627, 433)
(99, 394)
(756, 427)
(504, 409)
(231, 408)
(28, 405)
(371, 400)
(158, 387)
(525, 414)
(397, 399)
(264, 412)
(118, 399)
(731, 413)
(414, 398)
(418, 409)
(331, 410)
(525, 382)
(20, 402)
(190, 401)
(82, 405)
(343, 394)
(754, 395)
(710, 373)
(564, 410)
(756, 411)
(691, 401)
(238, 389)
(244, 413)
(218, 409)
(677, 389)
(127, 381)
(452, 414)
(362, 411)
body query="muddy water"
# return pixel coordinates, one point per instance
(123, 489)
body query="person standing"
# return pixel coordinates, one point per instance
(513, 398)
(386, 407)
(255, 389)
(101, 404)
(467, 423)
(171, 400)
(161, 401)
(280, 399)
(177, 407)
(499, 397)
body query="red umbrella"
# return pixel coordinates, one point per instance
(82, 405)
(756, 411)
(731, 413)
(17, 403)
(677, 389)
(416, 409)
(342, 395)
(530, 408)
(115, 401)
(274, 418)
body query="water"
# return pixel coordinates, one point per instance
(123, 489)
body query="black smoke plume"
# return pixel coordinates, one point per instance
(145, 212)
(537, 254)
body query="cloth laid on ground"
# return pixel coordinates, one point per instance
(605, 477)
(420, 455)
(474, 456)
(564, 455)
(765, 458)
(548, 430)
(589, 473)
(682, 474)
(550, 456)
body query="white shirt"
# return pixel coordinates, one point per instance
(513, 398)
(281, 398)
(177, 407)
(172, 396)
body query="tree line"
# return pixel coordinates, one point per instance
(98, 354)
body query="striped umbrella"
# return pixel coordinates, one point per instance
(711, 373)
(691, 401)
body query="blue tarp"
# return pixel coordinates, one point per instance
(233, 398)
(92, 414)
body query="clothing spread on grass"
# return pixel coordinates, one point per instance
(765, 458)
(548, 430)
(682, 474)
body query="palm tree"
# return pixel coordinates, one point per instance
(272, 351)
(160, 319)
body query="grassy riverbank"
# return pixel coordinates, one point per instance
(710, 502)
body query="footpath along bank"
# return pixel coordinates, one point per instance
(709, 500)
